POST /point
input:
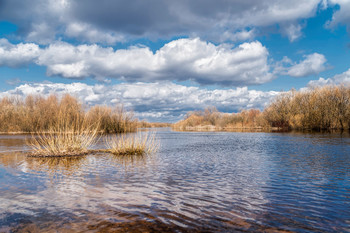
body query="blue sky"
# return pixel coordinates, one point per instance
(164, 58)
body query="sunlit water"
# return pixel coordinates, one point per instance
(197, 181)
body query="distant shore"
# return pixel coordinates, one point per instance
(321, 108)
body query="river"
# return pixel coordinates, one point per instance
(196, 182)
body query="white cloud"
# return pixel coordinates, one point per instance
(17, 55)
(182, 59)
(311, 65)
(343, 78)
(293, 31)
(161, 101)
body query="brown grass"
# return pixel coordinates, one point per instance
(321, 108)
(137, 144)
(145, 124)
(211, 119)
(62, 126)
(36, 114)
(65, 139)
(113, 120)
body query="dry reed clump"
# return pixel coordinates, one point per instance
(137, 144)
(64, 139)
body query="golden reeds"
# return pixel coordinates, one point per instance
(64, 139)
(63, 127)
(136, 144)
(321, 108)
(145, 124)
(39, 114)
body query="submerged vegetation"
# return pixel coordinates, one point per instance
(321, 108)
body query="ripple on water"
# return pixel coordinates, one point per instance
(198, 181)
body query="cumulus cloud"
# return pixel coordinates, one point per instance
(17, 55)
(109, 21)
(343, 78)
(160, 101)
(182, 59)
(311, 65)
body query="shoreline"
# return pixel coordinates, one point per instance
(212, 128)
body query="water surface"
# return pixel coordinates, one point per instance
(196, 182)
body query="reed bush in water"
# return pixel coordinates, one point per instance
(137, 144)
(66, 138)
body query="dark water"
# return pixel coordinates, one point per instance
(197, 182)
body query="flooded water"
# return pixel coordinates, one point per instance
(196, 182)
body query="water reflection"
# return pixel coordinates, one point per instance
(67, 165)
(198, 181)
(12, 143)
(129, 160)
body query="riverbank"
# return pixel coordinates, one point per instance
(322, 108)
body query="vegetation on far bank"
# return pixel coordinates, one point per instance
(321, 108)
(211, 118)
(145, 124)
(40, 114)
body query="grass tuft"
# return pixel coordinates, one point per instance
(137, 144)
(64, 139)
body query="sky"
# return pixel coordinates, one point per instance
(163, 58)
